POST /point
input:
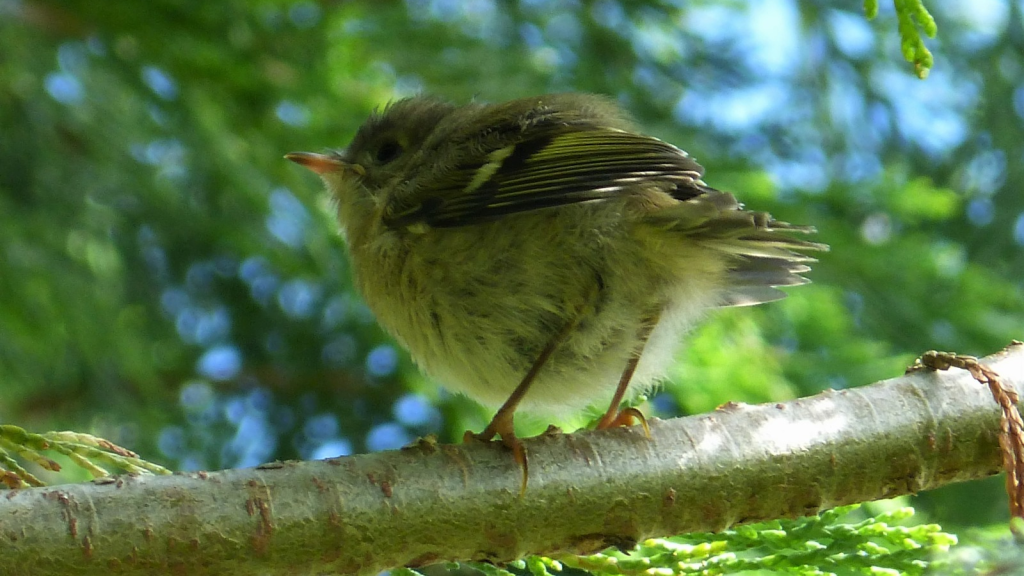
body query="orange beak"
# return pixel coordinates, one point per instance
(319, 163)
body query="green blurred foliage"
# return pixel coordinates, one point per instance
(169, 282)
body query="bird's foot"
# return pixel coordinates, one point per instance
(625, 417)
(502, 427)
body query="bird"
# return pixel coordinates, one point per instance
(544, 254)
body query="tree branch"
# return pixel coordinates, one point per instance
(587, 490)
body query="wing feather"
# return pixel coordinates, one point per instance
(556, 166)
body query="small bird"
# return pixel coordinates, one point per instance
(542, 253)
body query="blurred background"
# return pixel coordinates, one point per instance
(169, 282)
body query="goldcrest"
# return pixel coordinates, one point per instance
(542, 253)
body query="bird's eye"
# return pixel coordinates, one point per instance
(388, 151)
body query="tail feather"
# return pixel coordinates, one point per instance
(768, 272)
(766, 254)
(750, 296)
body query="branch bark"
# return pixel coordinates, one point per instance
(587, 490)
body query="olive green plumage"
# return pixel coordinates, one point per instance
(480, 235)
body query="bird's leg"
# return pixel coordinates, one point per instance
(502, 423)
(629, 416)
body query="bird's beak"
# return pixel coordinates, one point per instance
(323, 163)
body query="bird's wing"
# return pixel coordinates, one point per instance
(556, 165)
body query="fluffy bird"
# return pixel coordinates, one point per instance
(542, 253)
